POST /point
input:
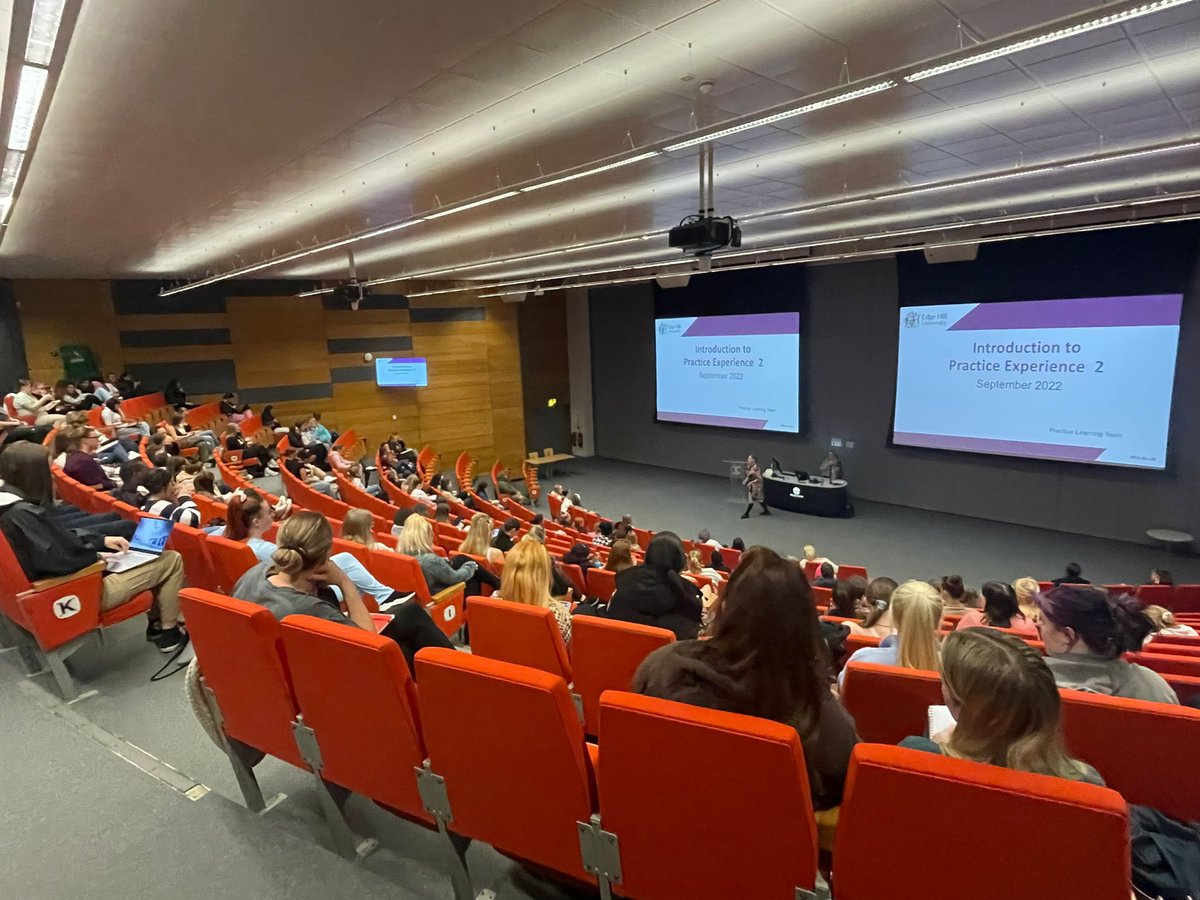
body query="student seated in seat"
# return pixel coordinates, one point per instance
(1000, 610)
(527, 579)
(505, 487)
(879, 621)
(478, 540)
(233, 408)
(49, 545)
(81, 463)
(1161, 576)
(302, 464)
(1027, 590)
(357, 527)
(655, 593)
(163, 499)
(416, 539)
(184, 436)
(917, 610)
(766, 658)
(620, 557)
(1164, 622)
(1086, 632)
(111, 416)
(300, 577)
(1005, 705)
(250, 517)
(251, 452)
(849, 598)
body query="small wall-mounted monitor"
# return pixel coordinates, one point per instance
(401, 372)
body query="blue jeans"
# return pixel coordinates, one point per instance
(361, 578)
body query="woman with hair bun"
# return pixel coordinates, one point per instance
(299, 578)
(1086, 631)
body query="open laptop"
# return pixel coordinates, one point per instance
(148, 543)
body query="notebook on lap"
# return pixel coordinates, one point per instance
(148, 543)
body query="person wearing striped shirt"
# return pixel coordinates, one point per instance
(164, 500)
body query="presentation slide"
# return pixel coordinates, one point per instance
(1082, 380)
(730, 371)
(401, 372)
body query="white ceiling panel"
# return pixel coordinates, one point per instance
(236, 133)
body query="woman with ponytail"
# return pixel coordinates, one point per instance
(1086, 632)
(301, 577)
(1005, 705)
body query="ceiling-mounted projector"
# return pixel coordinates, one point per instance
(352, 291)
(701, 235)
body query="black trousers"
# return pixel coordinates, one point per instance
(481, 577)
(32, 433)
(413, 628)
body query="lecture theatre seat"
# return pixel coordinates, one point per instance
(230, 560)
(53, 617)
(404, 574)
(889, 703)
(721, 809)
(518, 634)
(380, 762)
(1138, 748)
(199, 571)
(601, 584)
(237, 645)
(822, 596)
(900, 805)
(845, 572)
(514, 772)
(605, 653)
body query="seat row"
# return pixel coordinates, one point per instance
(675, 801)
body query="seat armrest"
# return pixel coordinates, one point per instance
(447, 609)
(46, 584)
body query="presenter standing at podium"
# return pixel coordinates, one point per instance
(754, 488)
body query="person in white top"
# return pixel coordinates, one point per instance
(29, 404)
(110, 415)
(412, 485)
(707, 539)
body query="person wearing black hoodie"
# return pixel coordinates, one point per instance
(655, 593)
(46, 547)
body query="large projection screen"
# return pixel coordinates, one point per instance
(1086, 379)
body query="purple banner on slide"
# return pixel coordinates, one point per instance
(1005, 448)
(1082, 312)
(762, 323)
(723, 421)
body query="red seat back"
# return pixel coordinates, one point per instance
(890, 703)
(601, 583)
(238, 646)
(1138, 748)
(518, 634)
(899, 803)
(53, 616)
(822, 596)
(377, 762)
(722, 810)
(230, 560)
(845, 572)
(604, 655)
(1163, 663)
(516, 768)
(575, 575)
(198, 568)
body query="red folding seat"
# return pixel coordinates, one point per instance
(601, 583)
(822, 596)
(1164, 663)
(198, 568)
(508, 764)
(889, 703)
(237, 644)
(230, 560)
(604, 655)
(721, 810)
(845, 572)
(518, 634)
(575, 576)
(52, 618)
(899, 803)
(1137, 747)
(404, 574)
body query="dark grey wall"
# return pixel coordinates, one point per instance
(13, 364)
(850, 323)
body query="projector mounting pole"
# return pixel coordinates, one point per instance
(350, 259)
(703, 120)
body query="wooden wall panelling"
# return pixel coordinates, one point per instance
(57, 312)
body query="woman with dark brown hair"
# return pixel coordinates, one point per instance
(766, 658)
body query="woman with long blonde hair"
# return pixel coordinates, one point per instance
(1027, 590)
(917, 613)
(416, 539)
(527, 578)
(356, 527)
(478, 541)
(1006, 707)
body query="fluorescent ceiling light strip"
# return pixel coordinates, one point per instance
(25, 110)
(43, 31)
(588, 172)
(1133, 12)
(465, 206)
(780, 116)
